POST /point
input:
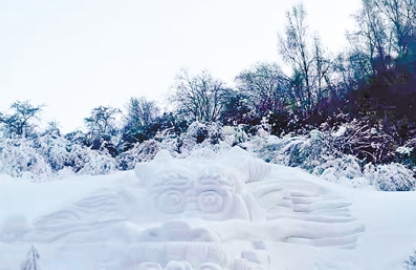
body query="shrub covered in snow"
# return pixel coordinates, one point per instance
(391, 177)
(199, 133)
(316, 154)
(20, 156)
(407, 154)
(98, 163)
(32, 261)
(299, 151)
(233, 135)
(366, 141)
(48, 155)
(344, 170)
(342, 154)
(410, 264)
(53, 148)
(141, 152)
(79, 137)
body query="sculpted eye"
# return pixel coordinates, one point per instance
(171, 201)
(210, 201)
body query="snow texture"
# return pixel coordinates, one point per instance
(206, 211)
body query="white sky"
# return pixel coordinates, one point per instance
(74, 55)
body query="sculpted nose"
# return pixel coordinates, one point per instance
(191, 214)
(190, 193)
(191, 202)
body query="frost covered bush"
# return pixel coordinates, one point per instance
(214, 132)
(71, 152)
(199, 133)
(170, 140)
(233, 135)
(78, 137)
(300, 151)
(77, 157)
(240, 135)
(364, 140)
(142, 152)
(173, 145)
(84, 160)
(344, 169)
(410, 264)
(407, 157)
(19, 157)
(408, 154)
(391, 177)
(53, 149)
(49, 155)
(32, 261)
(98, 163)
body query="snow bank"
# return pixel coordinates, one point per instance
(206, 211)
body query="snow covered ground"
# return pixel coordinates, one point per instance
(228, 211)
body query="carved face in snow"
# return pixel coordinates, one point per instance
(186, 213)
(207, 191)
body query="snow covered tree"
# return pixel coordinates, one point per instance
(53, 129)
(102, 126)
(141, 111)
(19, 157)
(32, 260)
(236, 108)
(141, 122)
(20, 122)
(142, 152)
(102, 120)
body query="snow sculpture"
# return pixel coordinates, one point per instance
(208, 192)
(205, 212)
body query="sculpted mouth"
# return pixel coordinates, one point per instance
(178, 231)
(178, 241)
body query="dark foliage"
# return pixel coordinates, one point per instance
(410, 264)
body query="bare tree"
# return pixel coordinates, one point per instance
(311, 64)
(400, 23)
(383, 57)
(266, 87)
(386, 29)
(294, 50)
(200, 96)
(369, 42)
(324, 71)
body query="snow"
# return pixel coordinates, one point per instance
(226, 210)
(407, 151)
(340, 132)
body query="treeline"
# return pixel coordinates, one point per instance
(370, 86)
